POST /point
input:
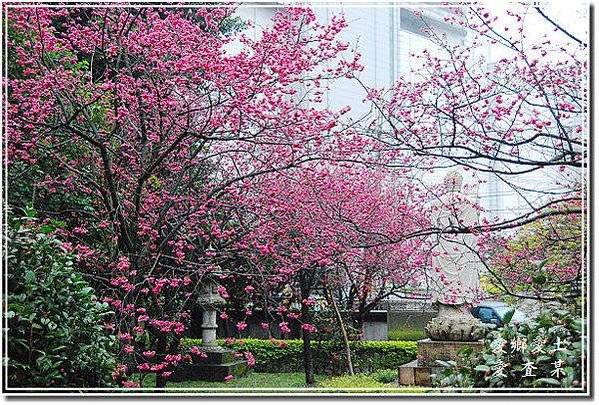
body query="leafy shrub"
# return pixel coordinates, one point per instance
(539, 346)
(328, 356)
(540, 258)
(55, 333)
(385, 376)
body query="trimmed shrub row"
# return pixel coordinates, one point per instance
(329, 356)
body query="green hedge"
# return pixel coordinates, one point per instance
(329, 356)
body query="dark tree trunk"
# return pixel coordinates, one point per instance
(160, 351)
(308, 361)
(358, 321)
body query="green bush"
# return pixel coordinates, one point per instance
(55, 335)
(524, 355)
(329, 357)
(385, 376)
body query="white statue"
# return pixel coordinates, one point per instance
(455, 278)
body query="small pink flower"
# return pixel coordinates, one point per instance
(241, 325)
(229, 377)
(172, 358)
(80, 230)
(309, 328)
(222, 291)
(123, 264)
(197, 352)
(250, 359)
(284, 327)
(167, 374)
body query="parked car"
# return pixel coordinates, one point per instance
(493, 312)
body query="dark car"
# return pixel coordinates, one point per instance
(493, 312)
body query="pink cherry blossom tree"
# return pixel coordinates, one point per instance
(135, 127)
(323, 231)
(520, 117)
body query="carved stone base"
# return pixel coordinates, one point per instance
(454, 329)
(454, 323)
(215, 367)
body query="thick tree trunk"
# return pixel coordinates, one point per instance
(161, 349)
(308, 361)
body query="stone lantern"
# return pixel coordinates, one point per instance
(217, 362)
(209, 300)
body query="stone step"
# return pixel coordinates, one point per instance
(209, 372)
(414, 374)
(216, 357)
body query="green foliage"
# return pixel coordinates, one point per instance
(370, 356)
(543, 259)
(328, 355)
(231, 24)
(55, 334)
(385, 376)
(539, 346)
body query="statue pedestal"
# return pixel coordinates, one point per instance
(219, 364)
(418, 372)
(453, 329)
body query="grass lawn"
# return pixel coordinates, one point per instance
(286, 382)
(253, 380)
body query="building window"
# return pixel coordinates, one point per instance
(419, 24)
